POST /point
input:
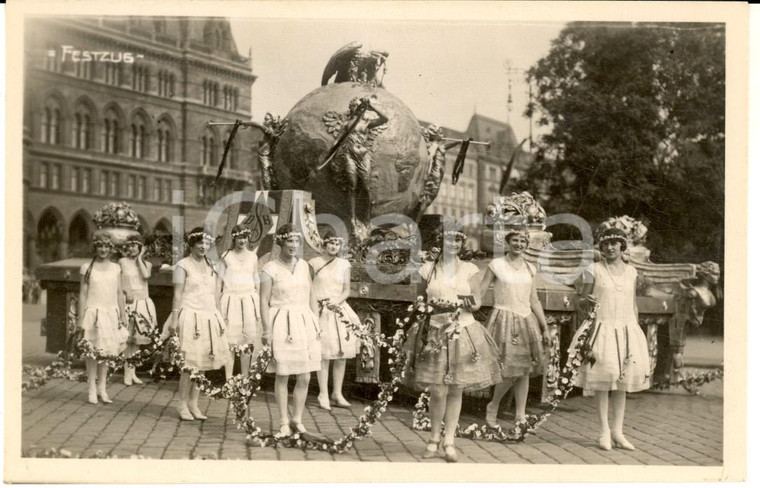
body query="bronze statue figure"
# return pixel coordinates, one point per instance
(350, 159)
(350, 63)
(273, 128)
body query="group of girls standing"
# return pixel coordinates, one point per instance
(451, 352)
(299, 309)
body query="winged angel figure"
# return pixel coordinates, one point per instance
(351, 159)
(350, 63)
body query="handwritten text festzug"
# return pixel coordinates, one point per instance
(79, 55)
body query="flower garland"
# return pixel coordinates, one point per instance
(690, 382)
(565, 385)
(61, 366)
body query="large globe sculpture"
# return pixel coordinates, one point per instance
(399, 154)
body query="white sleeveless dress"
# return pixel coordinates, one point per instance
(512, 324)
(202, 335)
(337, 341)
(101, 323)
(240, 298)
(134, 283)
(620, 348)
(296, 347)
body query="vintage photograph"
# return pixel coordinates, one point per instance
(488, 242)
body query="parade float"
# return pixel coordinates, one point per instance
(352, 149)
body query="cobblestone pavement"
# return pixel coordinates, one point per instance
(668, 428)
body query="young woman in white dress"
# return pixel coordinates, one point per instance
(450, 354)
(516, 323)
(101, 314)
(197, 320)
(618, 346)
(332, 281)
(240, 297)
(291, 326)
(135, 272)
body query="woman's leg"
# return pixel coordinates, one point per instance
(229, 366)
(299, 398)
(322, 380)
(602, 408)
(451, 420)
(438, 394)
(92, 378)
(618, 414)
(339, 372)
(492, 408)
(245, 364)
(521, 397)
(192, 405)
(184, 397)
(102, 381)
(281, 397)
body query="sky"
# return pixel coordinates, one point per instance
(443, 71)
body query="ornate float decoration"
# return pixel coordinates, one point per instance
(356, 147)
(518, 210)
(117, 221)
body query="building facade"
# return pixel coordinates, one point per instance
(116, 109)
(483, 171)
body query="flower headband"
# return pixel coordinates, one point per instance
(503, 236)
(102, 240)
(612, 237)
(206, 236)
(284, 237)
(453, 234)
(133, 240)
(241, 233)
(334, 240)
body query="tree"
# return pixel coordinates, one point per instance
(636, 119)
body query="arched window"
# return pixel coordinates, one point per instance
(138, 137)
(111, 132)
(51, 124)
(215, 95)
(164, 140)
(208, 148)
(82, 130)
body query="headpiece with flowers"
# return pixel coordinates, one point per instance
(197, 235)
(284, 233)
(635, 231)
(503, 236)
(101, 239)
(240, 231)
(612, 234)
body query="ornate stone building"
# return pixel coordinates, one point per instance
(116, 109)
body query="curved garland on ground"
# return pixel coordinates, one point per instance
(690, 382)
(565, 385)
(239, 389)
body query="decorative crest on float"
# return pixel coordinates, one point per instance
(118, 215)
(516, 209)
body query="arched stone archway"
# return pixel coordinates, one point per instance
(144, 228)
(163, 226)
(52, 243)
(79, 235)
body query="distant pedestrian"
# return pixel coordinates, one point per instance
(36, 292)
(332, 286)
(619, 353)
(240, 297)
(451, 352)
(516, 323)
(135, 272)
(196, 319)
(101, 314)
(291, 326)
